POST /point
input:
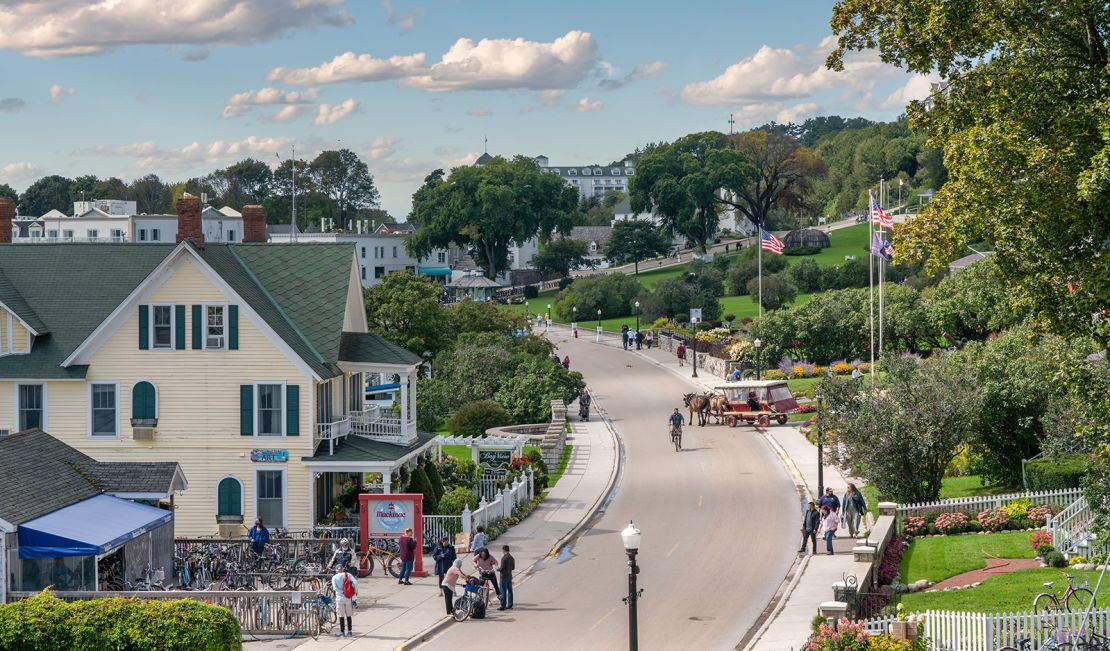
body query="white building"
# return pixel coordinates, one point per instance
(92, 223)
(107, 206)
(592, 180)
(222, 225)
(378, 254)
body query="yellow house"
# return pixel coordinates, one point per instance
(246, 363)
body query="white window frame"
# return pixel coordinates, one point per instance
(284, 494)
(204, 326)
(67, 235)
(92, 234)
(117, 235)
(89, 392)
(242, 494)
(155, 235)
(173, 327)
(283, 411)
(132, 394)
(52, 234)
(142, 234)
(45, 404)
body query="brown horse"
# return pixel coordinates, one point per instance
(698, 404)
(718, 403)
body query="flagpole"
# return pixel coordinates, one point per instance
(871, 282)
(882, 266)
(760, 264)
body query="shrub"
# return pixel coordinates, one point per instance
(1039, 540)
(456, 499)
(730, 317)
(777, 291)
(801, 250)
(419, 483)
(1018, 509)
(46, 622)
(746, 266)
(950, 523)
(1055, 558)
(994, 519)
(888, 566)
(773, 374)
(476, 417)
(913, 525)
(531, 291)
(612, 293)
(1063, 471)
(1039, 514)
(432, 471)
(564, 283)
(662, 323)
(805, 275)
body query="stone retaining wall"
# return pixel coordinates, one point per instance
(713, 365)
(550, 437)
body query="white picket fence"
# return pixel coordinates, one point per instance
(1063, 496)
(961, 631)
(501, 506)
(1069, 528)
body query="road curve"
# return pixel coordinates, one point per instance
(718, 524)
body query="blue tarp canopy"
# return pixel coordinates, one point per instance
(434, 271)
(93, 527)
(380, 388)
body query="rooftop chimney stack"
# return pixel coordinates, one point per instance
(7, 213)
(188, 220)
(254, 223)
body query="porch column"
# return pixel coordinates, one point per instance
(412, 404)
(404, 400)
(387, 482)
(311, 499)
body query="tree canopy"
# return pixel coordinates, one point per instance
(561, 256)
(633, 240)
(785, 173)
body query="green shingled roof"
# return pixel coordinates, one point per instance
(68, 289)
(369, 347)
(356, 448)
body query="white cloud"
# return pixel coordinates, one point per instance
(796, 112)
(917, 88)
(550, 97)
(351, 67)
(18, 171)
(59, 92)
(11, 105)
(287, 113)
(332, 113)
(383, 147)
(79, 27)
(586, 105)
(479, 112)
(497, 64)
(404, 21)
(642, 71)
(240, 103)
(150, 157)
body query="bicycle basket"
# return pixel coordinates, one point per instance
(472, 588)
(326, 600)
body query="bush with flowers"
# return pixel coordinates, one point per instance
(1040, 540)
(891, 560)
(663, 323)
(714, 335)
(853, 636)
(994, 519)
(1039, 514)
(914, 526)
(950, 523)
(741, 350)
(841, 368)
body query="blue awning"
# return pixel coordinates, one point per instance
(434, 271)
(89, 528)
(381, 388)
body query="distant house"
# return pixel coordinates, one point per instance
(957, 266)
(596, 239)
(592, 180)
(473, 286)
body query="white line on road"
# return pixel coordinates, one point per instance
(602, 618)
(673, 548)
(701, 498)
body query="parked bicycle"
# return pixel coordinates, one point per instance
(1076, 598)
(386, 558)
(474, 600)
(322, 609)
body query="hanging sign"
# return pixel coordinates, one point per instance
(495, 458)
(269, 456)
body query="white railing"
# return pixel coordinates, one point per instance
(332, 432)
(964, 631)
(437, 527)
(501, 506)
(1069, 527)
(879, 625)
(387, 429)
(982, 502)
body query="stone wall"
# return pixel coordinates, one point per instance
(713, 365)
(551, 437)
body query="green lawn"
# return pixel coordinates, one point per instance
(939, 558)
(845, 241)
(799, 385)
(968, 486)
(554, 475)
(1012, 592)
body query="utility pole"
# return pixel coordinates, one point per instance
(731, 124)
(293, 230)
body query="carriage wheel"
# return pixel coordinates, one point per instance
(731, 421)
(781, 419)
(763, 421)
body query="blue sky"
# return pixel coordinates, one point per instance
(180, 87)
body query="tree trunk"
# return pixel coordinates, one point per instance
(636, 265)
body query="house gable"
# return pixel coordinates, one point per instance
(354, 317)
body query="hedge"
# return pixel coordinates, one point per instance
(1050, 473)
(46, 622)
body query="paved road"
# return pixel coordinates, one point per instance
(717, 522)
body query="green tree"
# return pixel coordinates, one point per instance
(561, 256)
(805, 275)
(489, 207)
(344, 178)
(674, 296)
(746, 266)
(682, 182)
(404, 308)
(901, 436)
(1024, 123)
(46, 194)
(247, 182)
(633, 240)
(971, 304)
(474, 418)
(470, 317)
(785, 172)
(778, 291)
(538, 381)
(419, 483)
(613, 294)
(474, 369)
(598, 211)
(9, 192)
(152, 195)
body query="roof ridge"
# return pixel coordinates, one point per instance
(270, 297)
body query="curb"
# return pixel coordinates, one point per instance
(597, 507)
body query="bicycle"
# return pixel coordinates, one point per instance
(322, 608)
(676, 438)
(1051, 644)
(150, 580)
(1075, 599)
(474, 592)
(389, 561)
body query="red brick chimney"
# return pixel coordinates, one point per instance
(254, 223)
(188, 220)
(7, 212)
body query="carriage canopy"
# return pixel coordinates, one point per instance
(771, 391)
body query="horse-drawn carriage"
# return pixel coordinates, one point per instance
(729, 404)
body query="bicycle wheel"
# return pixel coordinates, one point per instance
(392, 565)
(1078, 600)
(1046, 603)
(1007, 648)
(463, 606)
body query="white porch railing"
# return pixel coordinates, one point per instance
(332, 432)
(966, 631)
(371, 424)
(1069, 528)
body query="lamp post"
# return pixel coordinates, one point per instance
(758, 358)
(637, 316)
(548, 317)
(528, 313)
(694, 345)
(599, 325)
(820, 448)
(631, 539)
(574, 321)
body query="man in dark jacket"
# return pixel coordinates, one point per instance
(508, 564)
(811, 522)
(829, 500)
(444, 556)
(408, 556)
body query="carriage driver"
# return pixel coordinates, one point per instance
(753, 402)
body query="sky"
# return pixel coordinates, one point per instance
(181, 87)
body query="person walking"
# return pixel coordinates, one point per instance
(680, 352)
(478, 542)
(854, 506)
(811, 522)
(624, 336)
(408, 556)
(829, 500)
(443, 555)
(649, 339)
(508, 565)
(829, 523)
(447, 585)
(566, 362)
(639, 340)
(346, 591)
(487, 569)
(259, 535)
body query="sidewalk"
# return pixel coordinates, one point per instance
(389, 614)
(787, 626)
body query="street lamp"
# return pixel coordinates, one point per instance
(758, 359)
(631, 539)
(528, 311)
(637, 316)
(574, 321)
(599, 325)
(548, 317)
(820, 447)
(694, 346)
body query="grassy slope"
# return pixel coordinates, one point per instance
(1012, 592)
(950, 487)
(937, 559)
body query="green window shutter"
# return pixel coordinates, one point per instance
(198, 321)
(233, 327)
(230, 497)
(292, 410)
(143, 402)
(144, 327)
(179, 326)
(246, 409)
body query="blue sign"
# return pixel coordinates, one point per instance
(392, 516)
(269, 456)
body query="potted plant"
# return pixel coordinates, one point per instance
(903, 629)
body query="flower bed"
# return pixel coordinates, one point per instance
(1016, 516)
(853, 636)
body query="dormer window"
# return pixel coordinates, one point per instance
(615, 172)
(572, 172)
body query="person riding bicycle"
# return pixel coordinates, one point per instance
(343, 554)
(676, 421)
(584, 401)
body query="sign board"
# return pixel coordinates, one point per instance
(269, 456)
(695, 315)
(387, 516)
(495, 458)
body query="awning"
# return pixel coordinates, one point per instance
(434, 271)
(89, 528)
(380, 388)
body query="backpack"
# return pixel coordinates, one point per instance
(348, 587)
(479, 611)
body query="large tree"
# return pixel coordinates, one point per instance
(405, 309)
(785, 172)
(46, 194)
(151, 195)
(683, 183)
(633, 240)
(9, 192)
(1023, 118)
(489, 207)
(249, 181)
(560, 257)
(344, 178)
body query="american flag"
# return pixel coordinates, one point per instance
(878, 217)
(770, 243)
